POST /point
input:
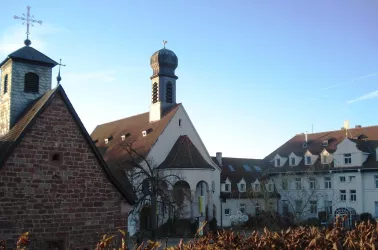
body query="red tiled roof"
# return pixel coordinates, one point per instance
(113, 152)
(184, 155)
(315, 146)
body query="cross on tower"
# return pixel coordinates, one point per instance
(164, 43)
(28, 20)
(58, 78)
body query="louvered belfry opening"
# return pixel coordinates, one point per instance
(5, 84)
(169, 93)
(154, 93)
(31, 83)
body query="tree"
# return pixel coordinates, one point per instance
(301, 193)
(151, 185)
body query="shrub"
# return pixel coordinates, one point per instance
(365, 217)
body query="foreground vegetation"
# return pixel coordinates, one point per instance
(363, 237)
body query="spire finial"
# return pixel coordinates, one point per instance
(28, 21)
(164, 43)
(58, 78)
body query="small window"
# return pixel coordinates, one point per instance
(278, 162)
(169, 93)
(179, 122)
(308, 160)
(376, 181)
(292, 161)
(327, 183)
(227, 211)
(123, 137)
(313, 207)
(285, 184)
(342, 195)
(242, 208)
(242, 187)
(56, 157)
(154, 93)
(247, 168)
(298, 183)
(270, 187)
(6, 84)
(325, 160)
(342, 178)
(231, 168)
(106, 141)
(347, 159)
(31, 83)
(353, 195)
(352, 178)
(257, 187)
(257, 168)
(227, 187)
(325, 143)
(312, 183)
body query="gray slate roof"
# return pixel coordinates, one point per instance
(30, 54)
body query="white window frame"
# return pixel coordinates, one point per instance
(312, 183)
(291, 161)
(313, 207)
(327, 182)
(227, 187)
(242, 187)
(278, 162)
(298, 183)
(352, 177)
(342, 193)
(347, 159)
(353, 195)
(308, 160)
(325, 159)
(257, 187)
(227, 211)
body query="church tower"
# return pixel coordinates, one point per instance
(163, 82)
(25, 76)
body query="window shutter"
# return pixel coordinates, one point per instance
(31, 83)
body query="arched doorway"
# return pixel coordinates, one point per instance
(182, 197)
(349, 213)
(145, 218)
(202, 199)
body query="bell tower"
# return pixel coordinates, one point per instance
(163, 82)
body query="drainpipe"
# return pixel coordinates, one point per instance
(221, 203)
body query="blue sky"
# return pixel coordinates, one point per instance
(252, 74)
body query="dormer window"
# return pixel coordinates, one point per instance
(325, 143)
(304, 145)
(123, 137)
(106, 141)
(257, 187)
(31, 83)
(144, 133)
(5, 84)
(308, 160)
(325, 160)
(242, 187)
(270, 187)
(278, 162)
(231, 168)
(347, 159)
(227, 187)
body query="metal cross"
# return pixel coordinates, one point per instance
(164, 43)
(28, 20)
(58, 78)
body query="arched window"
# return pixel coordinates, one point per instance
(169, 93)
(31, 83)
(154, 92)
(6, 84)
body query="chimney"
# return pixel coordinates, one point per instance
(219, 158)
(306, 136)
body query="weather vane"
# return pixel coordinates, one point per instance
(58, 78)
(164, 43)
(28, 21)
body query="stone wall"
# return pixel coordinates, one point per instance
(69, 198)
(6, 69)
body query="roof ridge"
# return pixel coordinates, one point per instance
(338, 130)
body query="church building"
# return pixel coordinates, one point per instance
(54, 183)
(165, 139)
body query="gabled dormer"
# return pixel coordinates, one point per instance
(256, 186)
(226, 186)
(309, 158)
(269, 186)
(326, 157)
(242, 185)
(294, 159)
(279, 161)
(348, 154)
